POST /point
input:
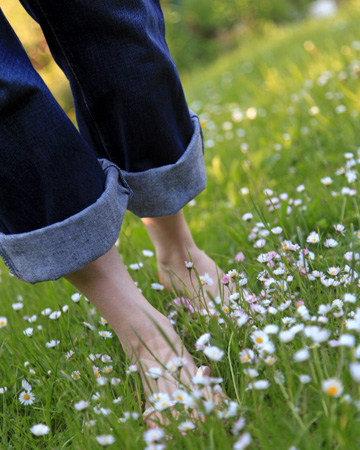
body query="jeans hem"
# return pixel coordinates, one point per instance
(163, 191)
(54, 251)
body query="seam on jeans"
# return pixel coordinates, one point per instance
(8, 263)
(76, 78)
(122, 178)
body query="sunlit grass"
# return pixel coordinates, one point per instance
(281, 113)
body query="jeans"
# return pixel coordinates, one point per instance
(64, 192)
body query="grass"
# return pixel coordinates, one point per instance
(280, 113)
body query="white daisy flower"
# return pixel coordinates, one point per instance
(26, 398)
(29, 332)
(105, 439)
(332, 387)
(105, 334)
(243, 442)
(3, 322)
(157, 286)
(136, 266)
(82, 404)
(313, 237)
(55, 315)
(148, 253)
(326, 181)
(355, 371)
(75, 375)
(186, 426)
(76, 297)
(53, 343)
(154, 372)
(304, 378)
(17, 306)
(39, 429)
(301, 355)
(214, 353)
(154, 435)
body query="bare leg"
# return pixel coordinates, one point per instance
(172, 240)
(109, 287)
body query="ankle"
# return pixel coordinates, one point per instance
(168, 255)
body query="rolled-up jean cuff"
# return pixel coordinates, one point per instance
(164, 190)
(61, 248)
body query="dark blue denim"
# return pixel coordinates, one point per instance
(138, 147)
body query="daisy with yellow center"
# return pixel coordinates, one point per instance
(75, 375)
(3, 322)
(260, 338)
(26, 398)
(332, 387)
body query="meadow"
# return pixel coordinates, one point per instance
(281, 217)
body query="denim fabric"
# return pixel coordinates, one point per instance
(64, 247)
(59, 208)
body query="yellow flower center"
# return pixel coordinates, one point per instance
(107, 370)
(163, 404)
(259, 340)
(97, 374)
(270, 361)
(180, 397)
(26, 397)
(245, 358)
(332, 390)
(2, 323)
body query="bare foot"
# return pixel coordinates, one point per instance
(182, 280)
(172, 240)
(167, 370)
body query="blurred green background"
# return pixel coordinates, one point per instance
(198, 31)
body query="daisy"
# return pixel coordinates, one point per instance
(332, 387)
(52, 343)
(29, 332)
(75, 375)
(157, 286)
(76, 297)
(154, 435)
(136, 266)
(301, 355)
(3, 322)
(243, 442)
(340, 228)
(39, 429)
(214, 353)
(79, 406)
(260, 338)
(313, 237)
(355, 371)
(105, 439)
(247, 355)
(330, 243)
(55, 315)
(105, 334)
(17, 306)
(154, 372)
(148, 253)
(107, 369)
(202, 341)
(304, 379)
(326, 181)
(206, 280)
(26, 398)
(186, 426)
